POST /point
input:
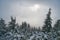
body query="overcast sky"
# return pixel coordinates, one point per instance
(32, 11)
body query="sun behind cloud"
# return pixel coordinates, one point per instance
(35, 7)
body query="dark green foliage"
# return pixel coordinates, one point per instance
(2, 23)
(24, 24)
(57, 26)
(2, 27)
(12, 24)
(47, 27)
(29, 25)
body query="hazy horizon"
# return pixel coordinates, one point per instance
(32, 11)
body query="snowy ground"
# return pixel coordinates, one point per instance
(29, 36)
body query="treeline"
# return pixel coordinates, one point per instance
(16, 28)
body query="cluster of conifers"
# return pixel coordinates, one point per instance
(13, 26)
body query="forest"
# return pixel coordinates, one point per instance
(24, 31)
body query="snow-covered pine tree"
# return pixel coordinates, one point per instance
(2, 27)
(57, 27)
(12, 24)
(47, 27)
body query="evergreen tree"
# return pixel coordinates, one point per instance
(28, 25)
(57, 26)
(12, 24)
(39, 29)
(24, 25)
(47, 27)
(2, 27)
